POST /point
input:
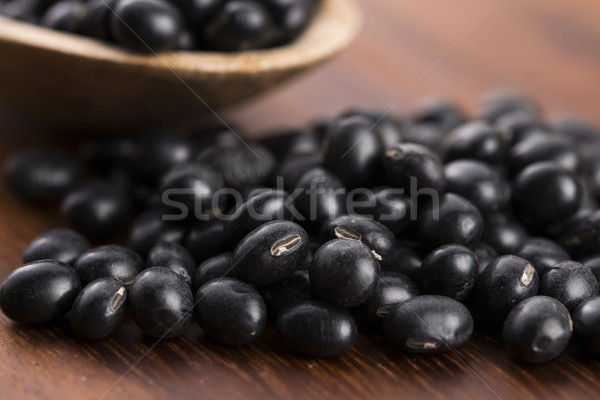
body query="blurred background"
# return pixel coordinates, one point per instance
(549, 49)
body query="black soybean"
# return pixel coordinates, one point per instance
(281, 294)
(413, 168)
(316, 329)
(388, 206)
(570, 283)
(99, 308)
(477, 140)
(173, 256)
(152, 226)
(207, 239)
(230, 311)
(161, 302)
(39, 292)
(109, 261)
(586, 325)
(428, 324)
(344, 272)
(537, 329)
(157, 152)
(542, 253)
(212, 268)
(57, 244)
(504, 233)
(450, 271)
(270, 252)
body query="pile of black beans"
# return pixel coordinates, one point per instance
(149, 26)
(423, 225)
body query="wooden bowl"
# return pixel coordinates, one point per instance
(72, 80)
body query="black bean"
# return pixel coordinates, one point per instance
(148, 26)
(440, 112)
(428, 324)
(406, 261)
(291, 143)
(428, 135)
(375, 235)
(413, 167)
(212, 268)
(286, 292)
(153, 226)
(387, 205)
(316, 329)
(42, 175)
(477, 140)
(107, 154)
(292, 168)
(353, 151)
(504, 233)
(173, 256)
(450, 271)
(542, 253)
(504, 283)
(97, 208)
(270, 252)
(539, 148)
(455, 220)
(66, 15)
(478, 183)
(157, 152)
(109, 261)
(264, 207)
(97, 20)
(344, 272)
(537, 329)
(39, 292)
(593, 264)
(99, 308)
(230, 311)
(521, 126)
(290, 17)
(196, 12)
(207, 239)
(498, 103)
(485, 254)
(161, 302)
(546, 193)
(385, 126)
(581, 236)
(57, 244)
(570, 283)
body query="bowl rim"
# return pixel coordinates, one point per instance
(334, 26)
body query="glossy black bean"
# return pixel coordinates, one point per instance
(344, 272)
(546, 193)
(498, 103)
(97, 208)
(212, 268)
(405, 261)
(97, 20)
(286, 292)
(152, 226)
(107, 154)
(580, 131)
(147, 26)
(230, 311)
(504, 283)
(581, 236)
(265, 207)
(99, 308)
(191, 190)
(504, 233)
(392, 289)
(242, 165)
(586, 325)
(196, 12)
(539, 148)
(65, 15)
(161, 302)
(207, 239)
(428, 135)
(570, 283)
(477, 140)
(388, 129)
(485, 254)
(375, 235)
(270, 252)
(537, 329)
(450, 271)
(521, 126)
(322, 197)
(23, 10)
(157, 152)
(456, 220)
(290, 17)
(292, 168)
(42, 175)
(428, 324)
(291, 143)
(173, 256)
(478, 183)
(593, 264)
(109, 261)
(316, 329)
(353, 151)
(440, 112)
(241, 25)
(413, 167)
(542, 253)
(57, 244)
(39, 292)
(388, 206)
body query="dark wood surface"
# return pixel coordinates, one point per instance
(548, 48)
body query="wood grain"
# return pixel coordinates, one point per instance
(548, 48)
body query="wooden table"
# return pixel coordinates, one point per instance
(548, 48)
